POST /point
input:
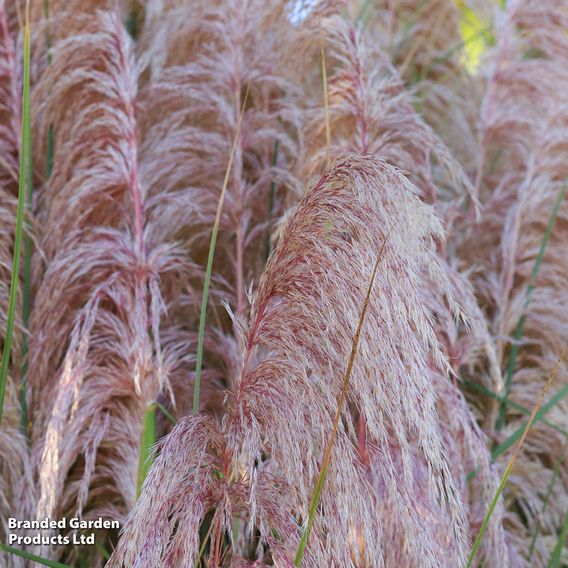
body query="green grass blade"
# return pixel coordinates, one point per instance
(50, 136)
(26, 300)
(24, 160)
(408, 27)
(166, 413)
(557, 465)
(202, 547)
(104, 552)
(210, 258)
(314, 503)
(519, 329)
(505, 477)
(484, 33)
(556, 557)
(539, 417)
(487, 518)
(203, 314)
(361, 16)
(147, 443)
(503, 447)
(522, 409)
(33, 557)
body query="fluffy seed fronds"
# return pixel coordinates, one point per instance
(306, 136)
(371, 112)
(284, 398)
(96, 356)
(521, 177)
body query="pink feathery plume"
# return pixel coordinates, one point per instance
(96, 356)
(188, 481)
(281, 405)
(284, 399)
(370, 111)
(518, 274)
(204, 94)
(204, 61)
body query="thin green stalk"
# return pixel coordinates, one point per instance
(556, 472)
(556, 557)
(522, 409)
(24, 160)
(33, 557)
(210, 258)
(166, 413)
(521, 323)
(539, 417)
(513, 459)
(503, 447)
(147, 443)
(406, 32)
(485, 32)
(105, 553)
(26, 300)
(489, 514)
(203, 544)
(314, 503)
(363, 11)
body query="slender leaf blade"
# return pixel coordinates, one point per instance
(33, 557)
(557, 552)
(504, 446)
(519, 329)
(210, 258)
(24, 171)
(505, 477)
(147, 443)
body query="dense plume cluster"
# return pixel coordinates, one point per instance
(315, 140)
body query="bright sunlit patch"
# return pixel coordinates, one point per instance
(299, 9)
(476, 35)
